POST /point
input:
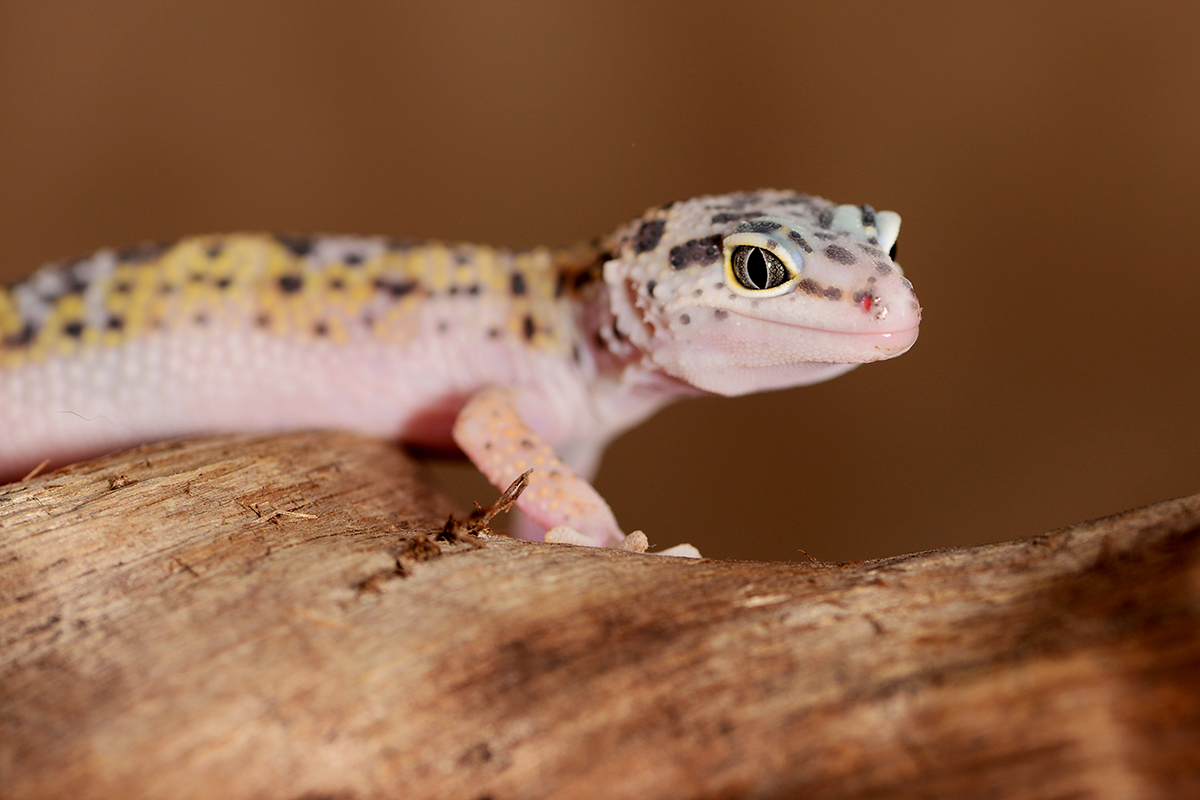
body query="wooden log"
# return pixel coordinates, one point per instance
(275, 616)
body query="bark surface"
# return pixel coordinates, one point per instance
(247, 617)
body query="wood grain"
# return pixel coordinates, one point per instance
(276, 617)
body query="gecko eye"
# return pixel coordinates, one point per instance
(756, 269)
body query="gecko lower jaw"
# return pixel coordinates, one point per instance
(854, 347)
(860, 347)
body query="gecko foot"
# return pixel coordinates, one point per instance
(563, 534)
(681, 551)
(635, 542)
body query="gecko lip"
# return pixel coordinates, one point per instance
(848, 346)
(888, 332)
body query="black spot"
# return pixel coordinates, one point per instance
(290, 284)
(720, 313)
(518, 283)
(874, 252)
(684, 319)
(214, 251)
(145, 251)
(493, 333)
(395, 288)
(883, 268)
(575, 354)
(825, 218)
(840, 254)
(443, 326)
(21, 337)
(798, 239)
(860, 297)
(825, 236)
(726, 216)
(453, 290)
(474, 289)
(321, 329)
(74, 329)
(649, 235)
(696, 251)
(115, 323)
(197, 277)
(868, 216)
(75, 285)
(529, 328)
(299, 246)
(263, 320)
(809, 286)
(758, 226)
(223, 283)
(527, 444)
(650, 284)
(122, 287)
(353, 259)
(200, 319)
(337, 284)
(166, 288)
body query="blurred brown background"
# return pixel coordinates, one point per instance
(1045, 158)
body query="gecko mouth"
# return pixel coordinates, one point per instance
(842, 346)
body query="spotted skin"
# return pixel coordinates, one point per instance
(521, 359)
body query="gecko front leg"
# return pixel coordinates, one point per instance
(497, 438)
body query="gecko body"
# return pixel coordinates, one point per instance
(520, 359)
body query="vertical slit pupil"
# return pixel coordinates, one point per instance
(756, 269)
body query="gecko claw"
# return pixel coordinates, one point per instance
(635, 542)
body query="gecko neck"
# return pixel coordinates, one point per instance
(621, 352)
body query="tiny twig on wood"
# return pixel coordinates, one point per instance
(478, 521)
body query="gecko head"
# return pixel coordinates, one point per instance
(745, 292)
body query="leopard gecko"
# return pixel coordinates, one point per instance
(518, 358)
